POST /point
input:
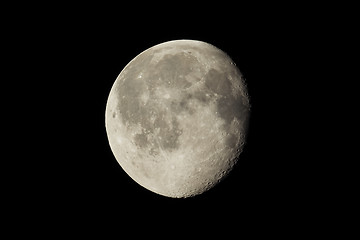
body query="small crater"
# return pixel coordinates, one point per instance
(153, 151)
(231, 141)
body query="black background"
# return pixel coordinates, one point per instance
(76, 53)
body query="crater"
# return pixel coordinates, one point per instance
(231, 141)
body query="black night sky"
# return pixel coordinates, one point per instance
(81, 51)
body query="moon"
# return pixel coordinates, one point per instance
(176, 117)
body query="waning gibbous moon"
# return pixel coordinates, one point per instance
(177, 116)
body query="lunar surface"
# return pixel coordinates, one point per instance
(176, 117)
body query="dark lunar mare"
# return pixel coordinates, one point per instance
(170, 73)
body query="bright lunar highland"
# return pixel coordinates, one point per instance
(177, 117)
